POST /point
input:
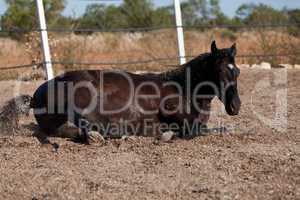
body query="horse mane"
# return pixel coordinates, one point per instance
(199, 60)
(199, 64)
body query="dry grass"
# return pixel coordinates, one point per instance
(127, 47)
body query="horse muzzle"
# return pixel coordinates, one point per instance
(233, 108)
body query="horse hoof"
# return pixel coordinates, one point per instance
(55, 147)
(95, 138)
(167, 136)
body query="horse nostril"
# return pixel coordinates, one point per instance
(234, 108)
(231, 107)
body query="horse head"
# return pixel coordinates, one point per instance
(225, 75)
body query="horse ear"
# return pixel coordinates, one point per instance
(214, 47)
(233, 50)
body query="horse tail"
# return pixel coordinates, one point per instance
(13, 110)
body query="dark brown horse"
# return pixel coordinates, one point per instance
(118, 102)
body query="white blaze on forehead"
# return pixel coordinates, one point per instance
(231, 66)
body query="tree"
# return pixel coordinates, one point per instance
(215, 10)
(114, 17)
(195, 12)
(245, 10)
(99, 16)
(162, 17)
(94, 17)
(130, 14)
(137, 13)
(21, 14)
(294, 16)
(261, 14)
(294, 19)
(217, 17)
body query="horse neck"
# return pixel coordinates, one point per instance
(176, 75)
(195, 70)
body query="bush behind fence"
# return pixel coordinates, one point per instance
(150, 48)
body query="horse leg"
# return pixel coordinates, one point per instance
(49, 123)
(84, 125)
(188, 124)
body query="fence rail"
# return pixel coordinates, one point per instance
(148, 29)
(128, 63)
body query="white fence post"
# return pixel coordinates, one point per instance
(44, 37)
(180, 36)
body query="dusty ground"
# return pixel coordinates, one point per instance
(252, 161)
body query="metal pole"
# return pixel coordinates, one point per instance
(180, 36)
(44, 37)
